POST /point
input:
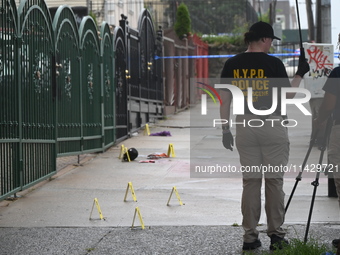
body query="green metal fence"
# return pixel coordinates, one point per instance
(108, 86)
(9, 104)
(121, 91)
(37, 122)
(28, 123)
(66, 89)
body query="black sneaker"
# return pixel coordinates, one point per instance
(277, 243)
(336, 242)
(251, 246)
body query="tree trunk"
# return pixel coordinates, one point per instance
(318, 27)
(310, 18)
(272, 12)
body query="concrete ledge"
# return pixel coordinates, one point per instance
(169, 110)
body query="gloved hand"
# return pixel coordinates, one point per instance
(228, 140)
(303, 66)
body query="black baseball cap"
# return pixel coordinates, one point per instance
(263, 29)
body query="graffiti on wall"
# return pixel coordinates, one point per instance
(320, 58)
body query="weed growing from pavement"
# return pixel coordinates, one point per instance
(298, 247)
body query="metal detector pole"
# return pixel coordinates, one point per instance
(299, 177)
(298, 18)
(315, 183)
(311, 144)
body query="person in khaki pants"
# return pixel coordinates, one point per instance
(330, 107)
(262, 146)
(268, 145)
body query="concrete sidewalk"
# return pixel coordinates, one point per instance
(54, 217)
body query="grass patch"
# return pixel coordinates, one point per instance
(298, 247)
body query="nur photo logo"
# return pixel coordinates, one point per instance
(204, 96)
(280, 99)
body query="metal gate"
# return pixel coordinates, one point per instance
(134, 66)
(37, 120)
(108, 84)
(121, 88)
(85, 85)
(28, 120)
(145, 99)
(147, 41)
(68, 90)
(9, 101)
(151, 86)
(139, 85)
(91, 89)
